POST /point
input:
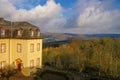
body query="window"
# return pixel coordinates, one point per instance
(38, 33)
(31, 63)
(31, 47)
(38, 46)
(19, 48)
(32, 33)
(38, 62)
(3, 47)
(2, 32)
(19, 32)
(3, 63)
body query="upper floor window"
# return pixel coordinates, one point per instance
(38, 62)
(31, 47)
(31, 63)
(3, 47)
(2, 32)
(19, 48)
(32, 33)
(3, 63)
(38, 46)
(38, 33)
(20, 32)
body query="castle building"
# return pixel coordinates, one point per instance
(20, 46)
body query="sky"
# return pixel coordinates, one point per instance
(66, 16)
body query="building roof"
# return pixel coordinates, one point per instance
(5, 23)
(11, 28)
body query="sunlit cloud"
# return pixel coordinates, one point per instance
(49, 16)
(84, 17)
(94, 16)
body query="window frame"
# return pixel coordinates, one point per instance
(2, 30)
(38, 33)
(32, 33)
(20, 48)
(38, 62)
(3, 67)
(19, 32)
(31, 63)
(32, 50)
(38, 46)
(4, 48)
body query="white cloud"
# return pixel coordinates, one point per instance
(6, 8)
(48, 16)
(87, 16)
(95, 16)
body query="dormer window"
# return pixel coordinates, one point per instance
(37, 32)
(32, 32)
(19, 32)
(2, 32)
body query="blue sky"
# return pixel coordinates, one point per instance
(64, 3)
(66, 16)
(117, 2)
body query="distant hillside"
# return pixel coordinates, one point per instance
(51, 37)
(101, 35)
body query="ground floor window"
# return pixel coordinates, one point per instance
(31, 63)
(38, 62)
(3, 63)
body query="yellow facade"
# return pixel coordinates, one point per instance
(22, 53)
(4, 56)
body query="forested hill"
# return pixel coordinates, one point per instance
(51, 37)
(96, 57)
(102, 35)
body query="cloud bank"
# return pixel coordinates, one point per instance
(49, 16)
(85, 17)
(95, 16)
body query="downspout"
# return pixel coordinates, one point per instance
(10, 37)
(9, 51)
